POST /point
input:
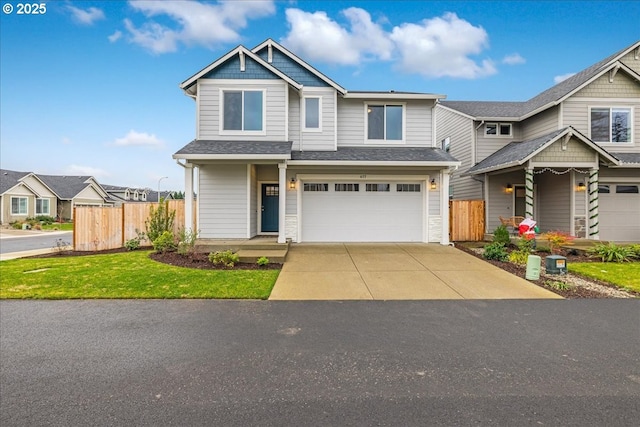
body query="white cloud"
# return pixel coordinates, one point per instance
(318, 37)
(562, 77)
(66, 140)
(196, 23)
(436, 47)
(441, 47)
(86, 17)
(115, 36)
(138, 139)
(513, 59)
(85, 170)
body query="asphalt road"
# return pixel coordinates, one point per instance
(239, 363)
(36, 241)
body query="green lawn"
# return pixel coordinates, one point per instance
(126, 275)
(625, 274)
(65, 226)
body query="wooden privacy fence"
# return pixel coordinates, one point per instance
(466, 220)
(97, 228)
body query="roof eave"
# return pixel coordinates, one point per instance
(232, 156)
(431, 163)
(393, 95)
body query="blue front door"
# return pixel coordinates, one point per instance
(270, 203)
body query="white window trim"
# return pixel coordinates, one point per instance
(26, 205)
(613, 107)
(304, 114)
(497, 135)
(48, 212)
(385, 141)
(221, 130)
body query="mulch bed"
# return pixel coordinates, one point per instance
(201, 261)
(520, 271)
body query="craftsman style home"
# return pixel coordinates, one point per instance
(569, 157)
(283, 150)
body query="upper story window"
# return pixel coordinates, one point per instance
(312, 116)
(497, 129)
(611, 124)
(19, 205)
(446, 144)
(243, 110)
(385, 122)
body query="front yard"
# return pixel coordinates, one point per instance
(126, 275)
(625, 275)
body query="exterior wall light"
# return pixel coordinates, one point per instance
(292, 184)
(581, 187)
(508, 189)
(433, 184)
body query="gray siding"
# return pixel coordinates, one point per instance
(253, 201)
(325, 140)
(352, 126)
(459, 129)
(500, 203)
(541, 124)
(630, 61)
(622, 86)
(209, 108)
(554, 202)
(487, 145)
(222, 201)
(294, 119)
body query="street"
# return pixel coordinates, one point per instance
(239, 363)
(27, 242)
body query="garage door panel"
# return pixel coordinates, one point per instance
(619, 215)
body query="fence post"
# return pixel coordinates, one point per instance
(75, 220)
(123, 230)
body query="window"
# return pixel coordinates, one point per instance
(19, 205)
(271, 190)
(378, 187)
(408, 188)
(316, 187)
(497, 129)
(242, 110)
(385, 122)
(446, 144)
(627, 189)
(611, 124)
(312, 120)
(42, 207)
(347, 187)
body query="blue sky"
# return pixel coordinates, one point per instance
(91, 87)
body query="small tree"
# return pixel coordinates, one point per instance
(160, 220)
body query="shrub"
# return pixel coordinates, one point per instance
(262, 261)
(45, 219)
(635, 251)
(164, 243)
(501, 235)
(16, 224)
(611, 252)
(187, 241)
(226, 258)
(495, 251)
(160, 220)
(518, 257)
(557, 239)
(557, 285)
(132, 244)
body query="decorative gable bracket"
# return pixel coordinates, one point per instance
(613, 72)
(242, 61)
(636, 53)
(565, 141)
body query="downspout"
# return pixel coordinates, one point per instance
(483, 179)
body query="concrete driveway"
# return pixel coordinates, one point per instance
(389, 271)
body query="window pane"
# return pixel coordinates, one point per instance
(378, 187)
(232, 111)
(505, 129)
(312, 113)
(600, 124)
(42, 206)
(620, 125)
(316, 187)
(347, 187)
(375, 120)
(602, 188)
(627, 189)
(411, 188)
(252, 110)
(491, 129)
(394, 122)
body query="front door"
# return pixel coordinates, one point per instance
(270, 204)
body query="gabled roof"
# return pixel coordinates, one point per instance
(377, 155)
(240, 50)
(321, 76)
(9, 179)
(68, 187)
(219, 150)
(518, 153)
(628, 159)
(489, 110)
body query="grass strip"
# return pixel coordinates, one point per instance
(625, 275)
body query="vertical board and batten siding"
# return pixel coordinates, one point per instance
(352, 130)
(459, 129)
(209, 109)
(601, 93)
(325, 140)
(541, 124)
(466, 220)
(222, 201)
(554, 209)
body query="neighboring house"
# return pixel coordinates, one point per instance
(282, 149)
(569, 157)
(164, 195)
(24, 195)
(75, 191)
(121, 194)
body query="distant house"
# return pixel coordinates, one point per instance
(74, 191)
(568, 157)
(24, 195)
(164, 195)
(120, 194)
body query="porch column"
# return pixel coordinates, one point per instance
(528, 187)
(444, 206)
(188, 197)
(594, 228)
(282, 201)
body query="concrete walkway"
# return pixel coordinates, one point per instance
(404, 271)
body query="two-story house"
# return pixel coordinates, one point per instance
(568, 157)
(282, 149)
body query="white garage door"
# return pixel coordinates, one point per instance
(362, 211)
(619, 211)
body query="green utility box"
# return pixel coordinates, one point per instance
(556, 264)
(533, 267)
